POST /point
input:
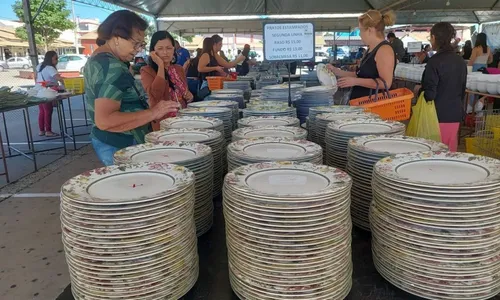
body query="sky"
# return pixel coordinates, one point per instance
(83, 11)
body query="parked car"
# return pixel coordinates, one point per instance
(3, 66)
(18, 63)
(320, 56)
(71, 62)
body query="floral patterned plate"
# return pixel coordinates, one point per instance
(289, 132)
(132, 183)
(268, 121)
(434, 169)
(183, 135)
(191, 122)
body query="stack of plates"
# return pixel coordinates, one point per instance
(222, 113)
(221, 103)
(314, 111)
(338, 134)
(249, 151)
(290, 132)
(268, 121)
(193, 122)
(435, 224)
(288, 231)
(279, 92)
(363, 152)
(257, 111)
(242, 85)
(313, 97)
(128, 232)
(266, 81)
(208, 137)
(322, 120)
(256, 93)
(194, 156)
(226, 91)
(237, 98)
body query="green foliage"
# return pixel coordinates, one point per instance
(50, 22)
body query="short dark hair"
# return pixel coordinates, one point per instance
(391, 35)
(443, 33)
(216, 38)
(121, 23)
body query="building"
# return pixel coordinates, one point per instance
(88, 42)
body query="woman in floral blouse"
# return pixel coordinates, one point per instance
(162, 78)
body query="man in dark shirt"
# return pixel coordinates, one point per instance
(182, 54)
(397, 45)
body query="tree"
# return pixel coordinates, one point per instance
(48, 25)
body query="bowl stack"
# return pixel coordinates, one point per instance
(322, 121)
(236, 97)
(257, 111)
(128, 232)
(192, 122)
(249, 151)
(294, 133)
(339, 132)
(314, 111)
(221, 103)
(222, 113)
(363, 152)
(211, 138)
(288, 231)
(267, 121)
(194, 156)
(313, 97)
(435, 224)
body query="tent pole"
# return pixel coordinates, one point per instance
(31, 36)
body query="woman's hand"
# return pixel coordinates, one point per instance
(164, 108)
(333, 69)
(220, 69)
(157, 59)
(346, 82)
(188, 96)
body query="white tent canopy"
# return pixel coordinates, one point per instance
(408, 12)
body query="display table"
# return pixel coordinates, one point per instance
(71, 127)
(31, 153)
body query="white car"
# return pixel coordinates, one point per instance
(18, 63)
(320, 56)
(71, 62)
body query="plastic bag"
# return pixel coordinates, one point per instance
(424, 122)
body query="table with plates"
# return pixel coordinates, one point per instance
(194, 156)
(362, 154)
(339, 132)
(249, 151)
(435, 224)
(212, 138)
(295, 133)
(128, 232)
(288, 231)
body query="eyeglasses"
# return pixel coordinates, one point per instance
(137, 44)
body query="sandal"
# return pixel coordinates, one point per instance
(41, 133)
(51, 134)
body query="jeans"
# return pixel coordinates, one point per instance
(45, 116)
(104, 152)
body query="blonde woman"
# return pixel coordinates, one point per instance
(378, 63)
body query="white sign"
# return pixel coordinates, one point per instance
(288, 41)
(414, 47)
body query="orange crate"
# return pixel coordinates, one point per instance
(396, 108)
(215, 82)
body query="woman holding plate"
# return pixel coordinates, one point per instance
(378, 64)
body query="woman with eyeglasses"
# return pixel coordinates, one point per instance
(378, 64)
(162, 78)
(119, 112)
